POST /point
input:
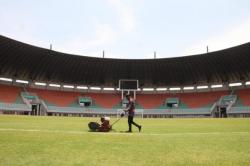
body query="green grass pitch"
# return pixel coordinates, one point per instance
(29, 140)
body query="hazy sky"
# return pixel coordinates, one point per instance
(127, 28)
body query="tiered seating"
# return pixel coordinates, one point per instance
(105, 100)
(186, 100)
(201, 99)
(10, 99)
(188, 103)
(244, 96)
(71, 99)
(14, 107)
(62, 101)
(242, 104)
(87, 110)
(57, 98)
(150, 101)
(10, 94)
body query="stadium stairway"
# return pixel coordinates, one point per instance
(201, 99)
(187, 100)
(189, 103)
(242, 104)
(56, 98)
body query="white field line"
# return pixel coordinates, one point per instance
(122, 133)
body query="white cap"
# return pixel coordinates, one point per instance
(107, 118)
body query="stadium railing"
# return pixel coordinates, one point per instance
(241, 109)
(116, 112)
(14, 107)
(183, 111)
(78, 110)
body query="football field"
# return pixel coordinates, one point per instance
(29, 140)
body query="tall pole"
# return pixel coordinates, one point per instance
(50, 46)
(103, 54)
(154, 55)
(207, 49)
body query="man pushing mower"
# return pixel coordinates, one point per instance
(105, 125)
(131, 113)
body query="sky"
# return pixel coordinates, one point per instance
(128, 29)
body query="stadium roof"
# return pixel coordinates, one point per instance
(23, 61)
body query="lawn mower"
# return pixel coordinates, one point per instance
(105, 125)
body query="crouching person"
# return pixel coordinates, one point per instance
(105, 126)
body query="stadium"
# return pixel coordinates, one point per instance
(39, 82)
(120, 83)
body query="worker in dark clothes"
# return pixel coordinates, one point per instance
(130, 109)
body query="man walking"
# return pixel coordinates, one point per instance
(131, 112)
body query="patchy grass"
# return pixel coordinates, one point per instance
(29, 140)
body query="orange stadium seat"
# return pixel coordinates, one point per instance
(105, 100)
(244, 96)
(57, 98)
(191, 100)
(65, 99)
(9, 94)
(150, 101)
(201, 99)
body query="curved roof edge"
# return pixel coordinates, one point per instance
(24, 61)
(60, 52)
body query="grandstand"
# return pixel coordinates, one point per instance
(38, 81)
